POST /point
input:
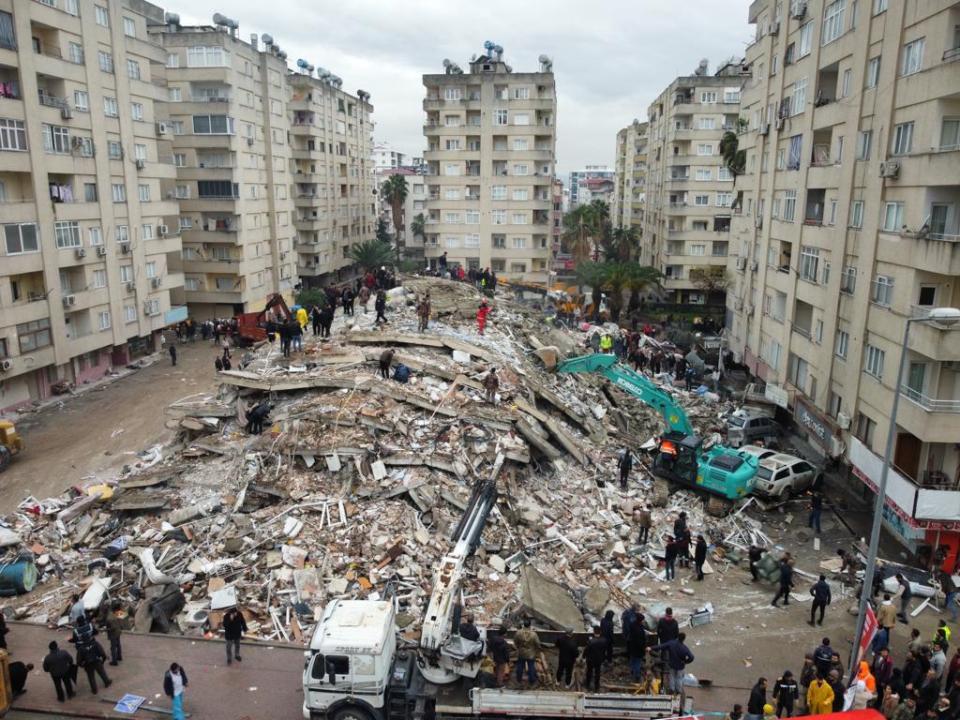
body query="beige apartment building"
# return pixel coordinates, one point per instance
(491, 139)
(847, 223)
(630, 177)
(90, 248)
(689, 191)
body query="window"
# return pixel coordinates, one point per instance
(879, 6)
(81, 100)
(518, 243)
(841, 344)
(143, 193)
(452, 93)
(809, 263)
(130, 311)
(950, 134)
(798, 370)
(67, 233)
(106, 61)
(702, 200)
(150, 268)
(101, 15)
(892, 216)
(119, 192)
(498, 192)
(789, 205)
(451, 241)
(110, 108)
(873, 72)
(451, 193)
(846, 83)
(129, 27)
(520, 194)
(698, 249)
(448, 121)
(180, 159)
(882, 290)
(708, 97)
(452, 144)
(806, 40)
(521, 169)
(864, 141)
(799, 96)
(856, 214)
(451, 218)
(472, 217)
(520, 144)
(499, 117)
(707, 123)
(499, 217)
(724, 199)
(723, 173)
(873, 364)
(21, 238)
(795, 152)
(13, 135)
(136, 111)
(99, 278)
(704, 174)
(114, 150)
(173, 60)
(471, 241)
(520, 218)
(833, 21)
(95, 235)
(133, 69)
(499, 242)
(912, 58)
(521, 93)
(704, 149)
(89, 192)
(212, 125)
(126, 273)
(75, 53)
(731, 95)
(451, 169)
(200, 56)
(103, 319)
(34, 335)
(56, 139)
(521, 119)
(848, 280)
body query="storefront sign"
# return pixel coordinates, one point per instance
(808, 420)
(175, 315)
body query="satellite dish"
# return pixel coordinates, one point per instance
(267, 39)
(543, 59)
(302, 64)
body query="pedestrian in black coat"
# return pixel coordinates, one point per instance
(637, 647)
(758, 698)
(234, 626)
(60, 666)
(594, 654)
(606, 629)
(670, 552)
(567, 651)
(667, 627)
(786, 692)
(821, 598)
(700, 555)
(786, 582)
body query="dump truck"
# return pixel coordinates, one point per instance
(10, 443)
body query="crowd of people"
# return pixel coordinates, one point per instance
(484, 280)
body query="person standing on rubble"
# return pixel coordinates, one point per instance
(606, 628)
(174, 683)
(59, 665)
(670, 552)
(380, 305)
(594, 654)
(528, 647)
(786, 582)
(326, 320)
(482, 312)
(667, 627)
(173, 354)
(906, 594)
(567, 651)
(500, 653)
(636, 646)
(755, 554)
(491, 383)
(606, 344)
(423, 313)
(256, 418)
(364, 297)
(386, 360)
(816, 509)
(302, 317)
(700, 555)
(644, 520)
(625, 465)
(315, 320)
(234, 626)
(677, 656)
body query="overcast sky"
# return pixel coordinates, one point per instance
(611, 57)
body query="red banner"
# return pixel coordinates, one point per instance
(869, 630)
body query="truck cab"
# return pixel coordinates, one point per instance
(349, 665)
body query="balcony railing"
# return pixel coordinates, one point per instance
(52, 100)
(952, 54)
(930, 404)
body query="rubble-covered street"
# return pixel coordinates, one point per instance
(354, 486)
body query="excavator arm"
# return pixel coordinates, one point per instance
(641, 387)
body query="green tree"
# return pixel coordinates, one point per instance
(591, 274)
(419, 225)
(625, 242)
(394, 191)
(383, 232)
(642, 278)
(311, 296)
(576, 234)
(735, 160)
(710, 278)
(371, 254)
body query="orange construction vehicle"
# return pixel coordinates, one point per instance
(252, 326)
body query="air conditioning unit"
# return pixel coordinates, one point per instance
(161, 128)
(101, 251)
(741, 264)
(150, 310)
(953, 365)
(775, 28)
(6, 365)
(156, 282)
(754, 266)
(69, 300)
(163, 230)
(765, 129)
(843, 420)
(131, 286)
(779, 123)
(890, 169)
(65, 112)
(81, 252)
(125, 248)
(140, 163)
(250, 142)
(798, 10)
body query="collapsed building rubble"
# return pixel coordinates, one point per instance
(353, 488)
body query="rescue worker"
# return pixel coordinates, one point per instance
(423, 313)
(644, 520)
(606, 344)
(528, 647)
(819, 697)
(386, 360)
(380, 305)
(567, 652)
(594, 654)
(821, 598)
(482, 312)
(625, 464)
(256, 417)
(491, 383)
(302, 318)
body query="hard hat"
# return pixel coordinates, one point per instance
(768, 709)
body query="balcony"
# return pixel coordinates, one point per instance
(931, 404)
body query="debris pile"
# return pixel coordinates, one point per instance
(355, 484)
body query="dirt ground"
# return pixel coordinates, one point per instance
(103, 428)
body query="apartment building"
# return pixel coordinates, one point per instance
(846, 225)
(331, 141)
(630, 177)
(577, 177)
(689, 190)
(556, 221)
(416, 204)
(386, 157)
(87, 265)
(491, 139)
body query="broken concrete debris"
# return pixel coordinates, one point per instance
(354, 488)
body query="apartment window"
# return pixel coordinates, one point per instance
(452, 93)
(101, 15)
(56, 139)
(451, 241)
(704, 174)
(185, 222)
(103, 319)
(708, 97)
(789, 205)
(799, 96)
(520, 194)
(724, 173)
(212, 125)
(67, 233)
(499, 117)
(809, 263)
(950, 134)
(114, 150)
(499, 217)
(118, 192)
(806, 40)
(892, 216)
(182, 192)
(856, 214)
(452, 218)
(126, 273)
(451, 193)
(21, 238)
(471, 241)
(451, 169)
(180, 159)
(34, 335)
(518, 243)
(499, 242)
(873, 364)
(201, 56)
(13, 135)
(106, 61)
(848, 280)
(136, 111)
(448, 121)
(81, 100)
(130, 311)
(795, 152)
(520, 144)
(701, 200)
(176, 127)
(882, 290)
(833, 21)
(95, 236)
(146, 231)
(724, 199)
(864, 141)
(99, 279)
(698, 249)
(798, 370)
(133, 69)
(873, 72)
(110, 108)
(846, 83)
(521, 93)
(173, 60)
(879, 6)
(521, 169)
(498, 192)
(707, 123)
(521, 119)
(150, 268)
(841, 344)
(129, 27)
(472, 217)
(704, 149)
(912, 58)
(520, 218)
(143, 193)
(452, 144)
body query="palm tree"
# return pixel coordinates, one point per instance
(643, 277)
(625, 241)
(598, 222)
(419, 225)
(394, 191)
(371, 254)
(576, 234)
(734, 159)
(591, 273)
(615, 276)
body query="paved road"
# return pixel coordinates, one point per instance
(265, 685)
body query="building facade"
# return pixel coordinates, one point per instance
(578, 176)
(88, 262)
(689, 190)
(386, 157)
(630, 177)
(491, 140)
(847, 223)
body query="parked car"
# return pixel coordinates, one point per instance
(760, 453)
(744, 427)
(781, 476)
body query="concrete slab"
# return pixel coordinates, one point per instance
(548, 601)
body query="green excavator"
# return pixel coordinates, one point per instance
(681, 457)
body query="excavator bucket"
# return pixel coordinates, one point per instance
(588, 363)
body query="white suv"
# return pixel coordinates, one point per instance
(781, 476)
